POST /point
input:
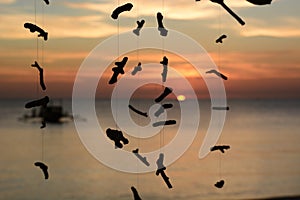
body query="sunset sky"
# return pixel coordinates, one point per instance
(261, 59)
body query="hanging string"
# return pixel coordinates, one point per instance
(43, 146)
(35, 22)
(34, 5)
(164, 14)
(163, 46)
(118, 58)
(43, 133)
(220, 32)
(138, 38)
(36, 48)
(138, 60)
(220, 166)
(163, 10)
(43, 24)
(219, 65)
(37, 76)
(139, 118)
(118, 34)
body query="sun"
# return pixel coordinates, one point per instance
(180, 97)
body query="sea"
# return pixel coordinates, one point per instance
(263, 160)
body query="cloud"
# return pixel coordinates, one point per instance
(284, 28)
(259, 65)
(179, 10)
(57, 26)
(77, 20)
(49, 55)
(272, 32)
(7, 1)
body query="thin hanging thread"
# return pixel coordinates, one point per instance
(163, 40)
(37, 51)
(139, 117)
(163, 46)
(161, 136)
(43, 133)
(118, 57)
(138, 38)
(220, 32)
(219, 64)
(37, 76)
(43, 24)
(220, 166)
(43, 146)
(35, 21)
(118, 35)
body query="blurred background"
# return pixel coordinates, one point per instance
(261, 60)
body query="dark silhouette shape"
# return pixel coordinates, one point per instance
(47, 2)
(34, 28)
(40, 102)
(44, 168)
(166, 92)
(140, 23)
(117, 137)
(118, 70)
(220, 108)
(137, 111)
(220, 39)
(161, 170)
(120, 9)
(137, 69)
(162, 123)
(51, 113)
(43, 124)
(260, 2)
(160, 18)
(213, 71)
(41, 71)
(161, 28)
(221, 2)
(220, 184)
(162, 108)
(222, 148)
(164, 62)
(141, 158)
(135, 194)
(139, 27)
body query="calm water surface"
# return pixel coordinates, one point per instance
(263, 161)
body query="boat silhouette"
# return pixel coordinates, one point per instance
(51, 114)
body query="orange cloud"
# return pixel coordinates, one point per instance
(259, 65)
(284, 28)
